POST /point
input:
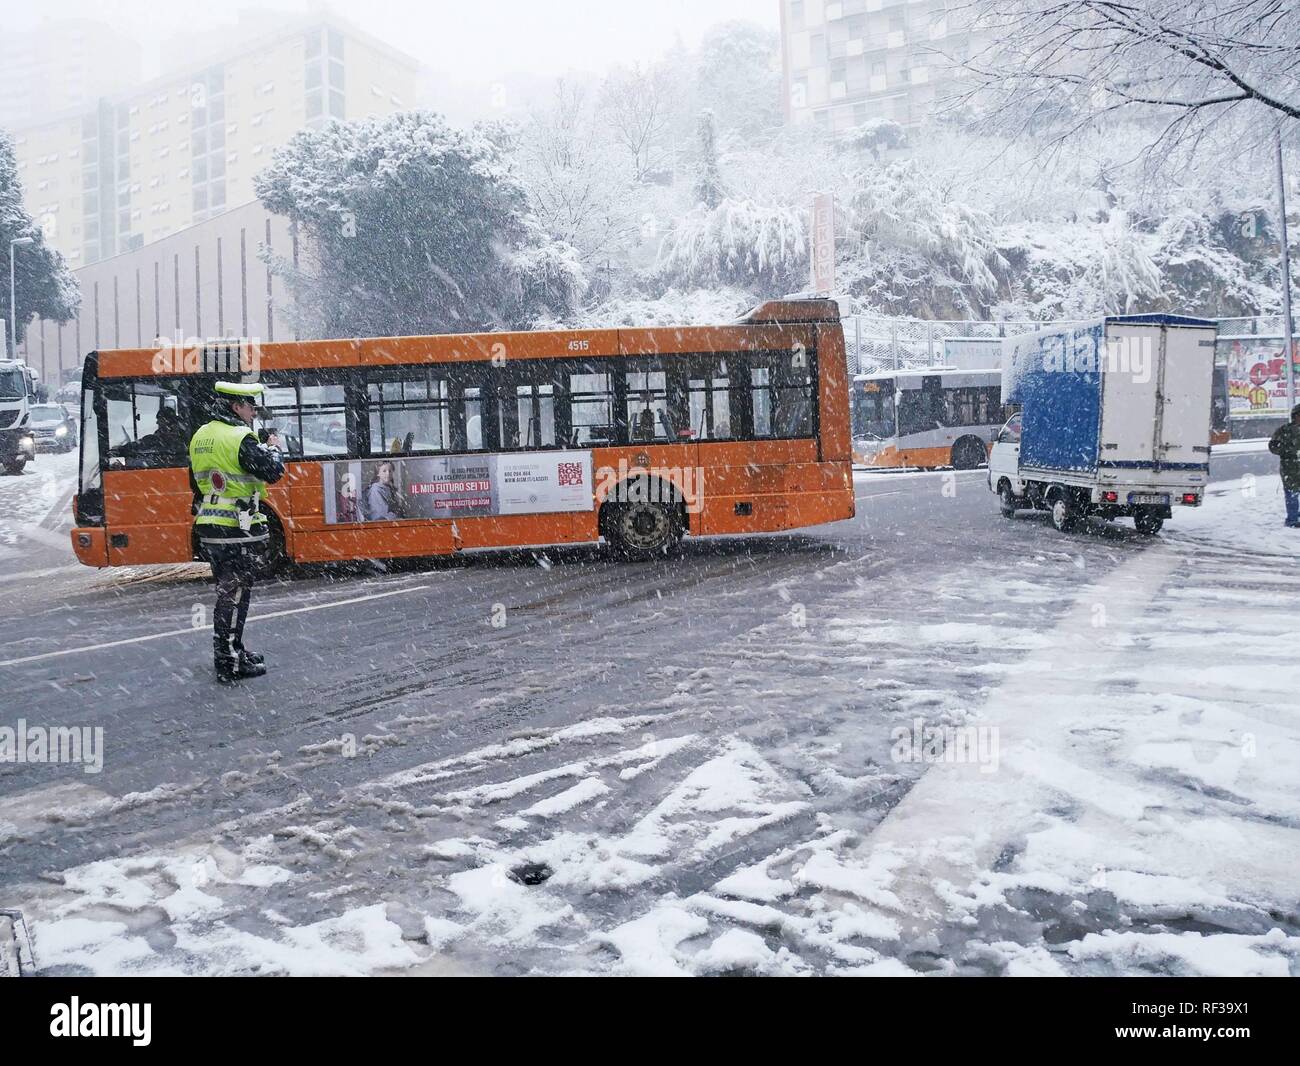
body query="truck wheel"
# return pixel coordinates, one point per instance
(1064, 516)
(1148, 524)
(1006, 500)
(16, 467)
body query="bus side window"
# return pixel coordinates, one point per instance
(280, 402)
(410, 414)
(933, 413)
(536, 415)
(707, 400)
(782, 396)
(590, 402)
(647, 405)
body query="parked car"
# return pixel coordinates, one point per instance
(53, 427)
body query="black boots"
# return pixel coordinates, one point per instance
(249, 658)
(233, 664)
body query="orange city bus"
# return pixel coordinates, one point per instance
(420, 446)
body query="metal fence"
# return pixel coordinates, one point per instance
(875, 342)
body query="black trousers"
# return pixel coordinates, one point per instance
(234, 567)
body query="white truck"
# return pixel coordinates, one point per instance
(1113, 420)
(17, 394)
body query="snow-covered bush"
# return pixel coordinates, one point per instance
(916, 247)
(1205, 274)
(740, 243)
(691, 307)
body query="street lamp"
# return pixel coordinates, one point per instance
(1288, 324)
(13, 310)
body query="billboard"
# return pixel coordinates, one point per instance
(1256, 374)
(973, 353)
(397, 488)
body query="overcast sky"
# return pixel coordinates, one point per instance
(470, 40)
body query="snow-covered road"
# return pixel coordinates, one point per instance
(730, 763)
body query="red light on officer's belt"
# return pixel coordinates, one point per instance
(1190, 497)
(1110, 497)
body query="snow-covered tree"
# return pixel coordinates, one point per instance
(738, 78)
(637, 104)
(672, 307)
(413, 227)
(1079, 270)
(574, 179)
(875, 136)
(1055, 67)
(944, 221)
(43, 283)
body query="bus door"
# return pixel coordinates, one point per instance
(148, 498)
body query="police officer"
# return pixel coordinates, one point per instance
(232, 469)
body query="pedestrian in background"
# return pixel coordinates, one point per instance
(1285, 444)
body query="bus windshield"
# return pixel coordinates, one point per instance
(877, 415)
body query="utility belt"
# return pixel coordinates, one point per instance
(229, 512)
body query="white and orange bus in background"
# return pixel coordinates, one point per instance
(926, 418)
(420, 446)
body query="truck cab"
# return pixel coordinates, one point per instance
(1004, 464)
(17, 394)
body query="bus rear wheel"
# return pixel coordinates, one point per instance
(641, 530)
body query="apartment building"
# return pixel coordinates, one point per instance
(63, 65)
(207, 280)
(183, 148)
(851, 61)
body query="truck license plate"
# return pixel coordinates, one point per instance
(1162, 499)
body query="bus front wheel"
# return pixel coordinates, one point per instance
(969, 453)
(641, 530)
(15, 468)
(275, 556)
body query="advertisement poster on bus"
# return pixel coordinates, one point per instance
(395, 488)
(1256, 374)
